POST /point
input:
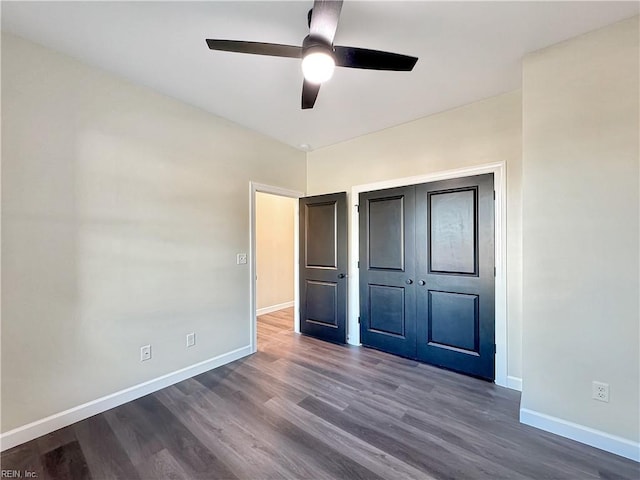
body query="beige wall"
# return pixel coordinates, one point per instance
(480, 133)
(122, 213)
(581, 220)
(274, 249)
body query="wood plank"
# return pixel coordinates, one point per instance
(244, 447)
(66, 462)
(163, 465)
(105, 456)
(194, 456)
(23, 458)
(326, 460)
(367, 455)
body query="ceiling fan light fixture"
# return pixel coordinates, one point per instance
(318, 66)
(319, 55)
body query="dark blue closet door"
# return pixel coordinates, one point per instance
(455, 274)
(387, 270)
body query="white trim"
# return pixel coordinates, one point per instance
(514, 383)
(275, 308)
(255, 187)
(500, 184)
(580, 433)
(51, 423)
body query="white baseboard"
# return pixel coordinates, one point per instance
(49, 424)
(514, 383)
(274, 308)
(580, 433)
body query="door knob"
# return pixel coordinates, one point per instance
(409, 281)
(341, 275)
(421, 282)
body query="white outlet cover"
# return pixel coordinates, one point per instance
(241, 259)
(600, 391)
(191, 339)
(145, 353)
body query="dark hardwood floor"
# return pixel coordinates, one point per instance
(302, 408)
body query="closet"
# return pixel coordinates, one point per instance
(427, 274)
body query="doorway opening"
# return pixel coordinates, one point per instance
(274, 262)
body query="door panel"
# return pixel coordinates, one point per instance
(455, 273)
(323, 266)
(386, 232)
(321, 237)
(387, 309)
(453, 321)
(322, 303)
(387, 249)
(452, 231)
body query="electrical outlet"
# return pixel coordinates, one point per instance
(600, 391)
(145, 353)
(241, 259)
(191, 339)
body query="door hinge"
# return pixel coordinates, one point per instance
(495, 348)
(494, 194)
(494, 271)
(358, 208)
(358, 263)
(358, 320)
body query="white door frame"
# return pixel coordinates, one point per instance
(255, 187)
(498, 170)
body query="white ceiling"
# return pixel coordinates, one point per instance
(467, 51)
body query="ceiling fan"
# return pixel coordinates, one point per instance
(318, 53)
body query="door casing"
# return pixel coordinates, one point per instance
(255, 187)
(498, 170)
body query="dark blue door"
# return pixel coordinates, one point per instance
(387, 271)
(323, 266)
(455, 275)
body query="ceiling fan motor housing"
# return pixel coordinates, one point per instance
(312, 44)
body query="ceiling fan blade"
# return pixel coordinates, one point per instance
(256, 48)
(324, 19)
(354, 57)
(309, 94)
